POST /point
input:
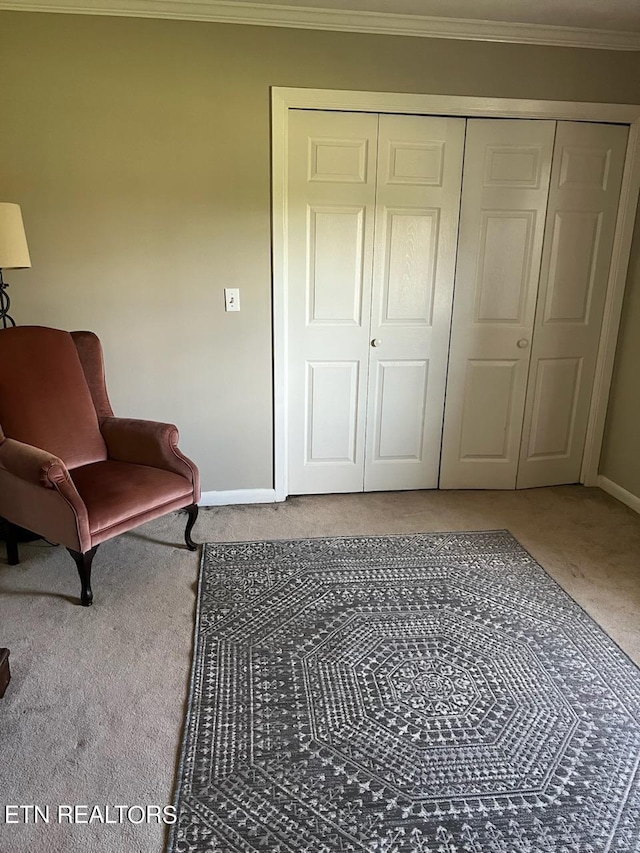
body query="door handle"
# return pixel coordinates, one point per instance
(376, 342)
(523, 343)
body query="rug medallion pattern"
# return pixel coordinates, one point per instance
(431, 693)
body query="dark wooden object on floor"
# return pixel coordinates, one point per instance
(192, 512)
(5, 675)
(83, 562)
(11, 540)
(20, 534)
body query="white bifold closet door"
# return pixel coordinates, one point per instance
(417, 207)
(586, 177)
(533, 262)
(372, 211)
(504, 199)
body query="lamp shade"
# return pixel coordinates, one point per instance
(14, 252)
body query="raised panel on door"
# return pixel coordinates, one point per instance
(490, 385)
(504, 196)
(418, 196)
(399, 386)
(555, 392)
(502, 281)
(583, 202)
(334, 288)
(330, 206)
(331, 385)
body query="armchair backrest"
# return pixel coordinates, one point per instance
(44, 397)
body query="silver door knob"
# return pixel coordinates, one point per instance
(523, 343)
(376, 342)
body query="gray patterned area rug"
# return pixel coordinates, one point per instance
(432, 693)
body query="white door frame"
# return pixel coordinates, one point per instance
(285, 99)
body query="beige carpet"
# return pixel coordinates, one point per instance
(95, 708)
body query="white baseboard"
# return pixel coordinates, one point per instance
(619, 493)
(238, 496)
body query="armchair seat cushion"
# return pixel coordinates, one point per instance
(116, 492)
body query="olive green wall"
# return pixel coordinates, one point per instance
(139, 150)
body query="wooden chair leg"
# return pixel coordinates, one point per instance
(193, 515)
(11, 540)
(5, 673)
(83, 564)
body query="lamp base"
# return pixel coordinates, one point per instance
(5, 304)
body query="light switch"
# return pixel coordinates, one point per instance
(232, 299)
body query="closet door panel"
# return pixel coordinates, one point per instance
(489, 386)
(400, 386)
(583, 202)
(331, 203)
(507, 166)
(335, 236)
(417, 205)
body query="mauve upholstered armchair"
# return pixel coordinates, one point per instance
(69, 470)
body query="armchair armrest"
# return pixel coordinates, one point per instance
(37, 492)
(35, 466)
(148, 443)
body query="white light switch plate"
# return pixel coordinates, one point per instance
(232, 299)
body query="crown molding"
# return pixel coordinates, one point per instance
(300, 17)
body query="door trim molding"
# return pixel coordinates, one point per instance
(285, 99)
